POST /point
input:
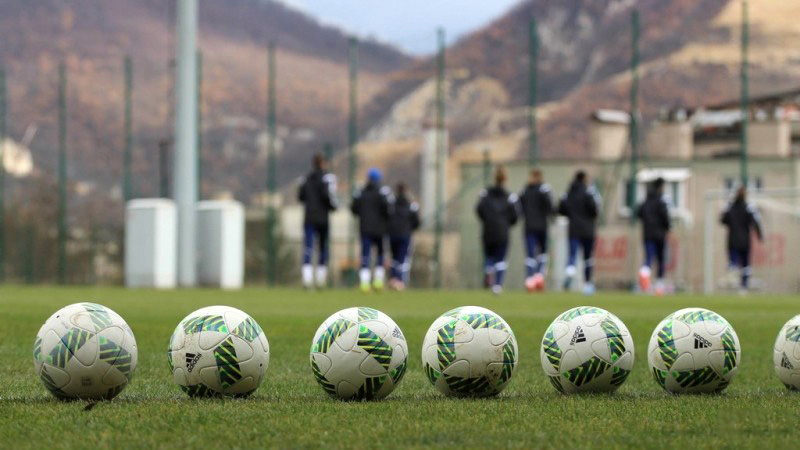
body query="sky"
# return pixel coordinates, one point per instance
(407, 24)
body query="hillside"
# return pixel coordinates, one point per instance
(689, 57)
(92, 37)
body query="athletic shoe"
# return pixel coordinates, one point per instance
(659, 290)
(569, 274)
(377, 285)
(366, 288)
(497, 289)
(538, 282)
(530, 284)
(644, 279)
(588, 289)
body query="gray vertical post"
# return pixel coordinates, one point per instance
(745, 95)
(3, 103)
(533, 69)
(185, 162)
(127, 179)
(352, 141)
(634, 120)
(440, 157)
(199, 125)
(272, 171)
(62, 173)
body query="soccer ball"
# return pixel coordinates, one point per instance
(587, 349)
(786, 355)
(218, 351)
(359, 354)
(469, 351)
(694, 351)
(85, 351)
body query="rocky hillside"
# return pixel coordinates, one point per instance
(93, 36)
(689, 57)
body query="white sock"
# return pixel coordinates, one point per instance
(380, 273)
(322, 276)
(308, 275)
(364, 276)
(570, 271)
(645, 271)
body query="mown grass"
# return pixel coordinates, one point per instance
(290, 410)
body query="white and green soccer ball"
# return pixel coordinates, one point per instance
(218, 351)
(786, 355)
(470, 351)
(85, 351)
(587, 349)
(694, 351)
(359, 354)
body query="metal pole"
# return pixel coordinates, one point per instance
(440, 155)
(487, 167)
(62, 173)
(745, 96)
(3, 102)
(271, 219)
(163, 168)
(352, 142)
(30, 268)
(127, 156)
(199, 125)
(634, 119)
(533, 69)
(185, 162)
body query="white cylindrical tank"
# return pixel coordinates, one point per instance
(220, 243)
(150, 244)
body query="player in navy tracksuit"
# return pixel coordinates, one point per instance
(581, 205)
(372, 206)
(497, 211)
(318, 195)
(403, 221)
(536, 206)
(742, 219)
(654, 215)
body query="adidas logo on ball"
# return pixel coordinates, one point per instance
(785, 363)
(578, 337)
(191, 360)
(701, 342)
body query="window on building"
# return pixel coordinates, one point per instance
(675, 189)
(754, 184)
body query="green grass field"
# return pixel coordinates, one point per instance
(291, 410)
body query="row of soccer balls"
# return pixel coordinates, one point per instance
(88, 351)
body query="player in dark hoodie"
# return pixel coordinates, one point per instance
(742, 220)
(654, 215)
(581, 205)
(497, 211)
(372, 206)
(318, 195)
(536, 206)
(403, 221)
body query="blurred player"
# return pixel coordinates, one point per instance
(403, 221)
(497, 210)
(581, 205)
(371, 205)
(741, 219)
(537, 207)
(318, 195)
(654, 214)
